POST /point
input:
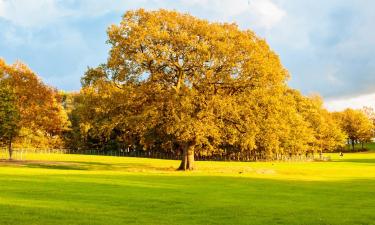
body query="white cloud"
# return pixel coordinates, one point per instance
(225, 7)
(351, 102)
(259, 13)
(2, 8)
(31, 13)
(266, 13)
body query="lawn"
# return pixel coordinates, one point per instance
(79, 189)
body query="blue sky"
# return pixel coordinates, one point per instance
(327, 46)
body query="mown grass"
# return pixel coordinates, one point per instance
(78, 189)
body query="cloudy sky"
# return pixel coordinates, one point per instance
(328, 46)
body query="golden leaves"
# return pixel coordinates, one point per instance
(180, 79)
(39, 105)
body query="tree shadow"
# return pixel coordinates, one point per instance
(55, 166)
(91, 166)
(370, 161)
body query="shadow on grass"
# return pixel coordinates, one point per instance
(56, 166)
(123, 166)
(90, 166)
(357, 160)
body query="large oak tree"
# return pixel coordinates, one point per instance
(191, 83)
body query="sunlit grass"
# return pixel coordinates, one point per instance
(81, 189)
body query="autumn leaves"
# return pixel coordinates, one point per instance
(179, 84)
(31, 112)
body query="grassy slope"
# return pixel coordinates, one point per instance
(74, 189)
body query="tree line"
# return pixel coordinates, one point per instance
(181, 85)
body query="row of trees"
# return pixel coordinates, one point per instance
(181, 85)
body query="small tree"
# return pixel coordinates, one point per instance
(9, 117)
(358, 127)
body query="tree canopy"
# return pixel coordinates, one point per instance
(358, 126)
(176, 82)
(35, 108)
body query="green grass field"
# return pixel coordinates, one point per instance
(78, 189)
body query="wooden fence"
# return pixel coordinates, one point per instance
(22, 154)
(18, 154)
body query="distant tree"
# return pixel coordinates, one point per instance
(328, 135)
(41, 115)
(74, 139)
(369, 112)
(357, 126)
(98, 118)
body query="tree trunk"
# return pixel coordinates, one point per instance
(362, 145)
(10, 148)
(187, 162)
(353, 145)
